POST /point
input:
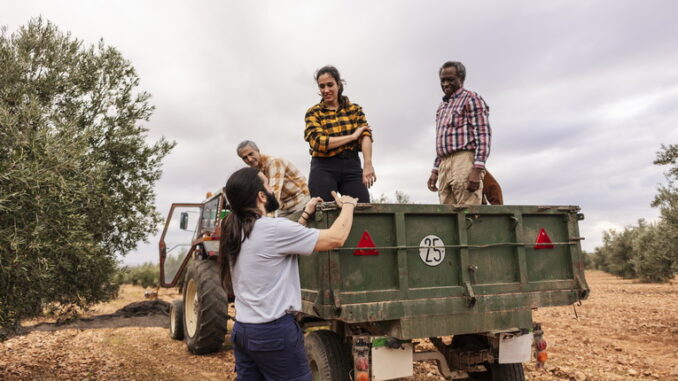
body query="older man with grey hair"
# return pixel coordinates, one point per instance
(288, 184)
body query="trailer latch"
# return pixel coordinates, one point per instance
(470, 295)
(583, 291)
(334, 298)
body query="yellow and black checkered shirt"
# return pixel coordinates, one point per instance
(323, 123)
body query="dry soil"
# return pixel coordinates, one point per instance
(624, 331)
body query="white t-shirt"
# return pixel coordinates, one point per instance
(266, 274)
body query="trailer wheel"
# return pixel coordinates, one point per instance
(327, 357)
(507, 372)
(176, 313)
(205, 307)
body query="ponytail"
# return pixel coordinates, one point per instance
(241, 192)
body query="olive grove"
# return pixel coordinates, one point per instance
(648, 251)
(77, 170)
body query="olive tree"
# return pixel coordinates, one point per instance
(648, 251)
(76, 170)
(667, 197)
(663, 260)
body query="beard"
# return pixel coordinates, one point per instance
(271, 204)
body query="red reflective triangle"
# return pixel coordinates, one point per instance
(543, 240)
(366, 242)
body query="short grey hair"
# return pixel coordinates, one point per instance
(246, 143)
(461, 69)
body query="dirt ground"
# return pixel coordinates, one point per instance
(624, 331)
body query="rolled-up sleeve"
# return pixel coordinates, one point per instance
(315, 134)
(361, 120)
(436, 164)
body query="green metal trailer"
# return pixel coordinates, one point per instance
(410, 271)
(464, 278)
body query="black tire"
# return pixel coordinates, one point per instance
(327, 356)
(205, 307)
(176, 313)
(507, 372)
(495, 371)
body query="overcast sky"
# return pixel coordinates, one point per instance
(581, 94)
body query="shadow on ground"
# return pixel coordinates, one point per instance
(150, 313)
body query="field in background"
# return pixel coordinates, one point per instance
(624, 331)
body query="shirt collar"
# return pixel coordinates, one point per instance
(263, 159)
(454, 94)
(324, 107)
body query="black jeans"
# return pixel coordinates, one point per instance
(341, 173)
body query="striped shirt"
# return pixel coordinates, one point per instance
(462, 124)
(288, 184)
(323, 123)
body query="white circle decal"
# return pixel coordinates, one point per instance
(431, 250)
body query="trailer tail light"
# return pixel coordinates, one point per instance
(539, 346)
(362, 363)
(361, 358)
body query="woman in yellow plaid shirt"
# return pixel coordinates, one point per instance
(336, 130)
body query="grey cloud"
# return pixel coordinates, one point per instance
(581, 95)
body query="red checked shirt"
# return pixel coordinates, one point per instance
(462, 124)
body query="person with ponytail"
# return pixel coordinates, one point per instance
(258, 259)
(336, 130)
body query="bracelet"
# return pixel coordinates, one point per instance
(307, 213)
(350, 203)
(303, 218)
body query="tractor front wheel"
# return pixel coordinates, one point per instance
(205, 307)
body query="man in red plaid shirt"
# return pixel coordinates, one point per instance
(288, 184)
(463, 137)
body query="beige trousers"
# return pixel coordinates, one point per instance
(453, 175)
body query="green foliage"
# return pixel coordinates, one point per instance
(76, 171)
(145, 275)
(598, 260)
(655, 256)
(618, 251)
(588, 260)
(647, 251)
(667, 197)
